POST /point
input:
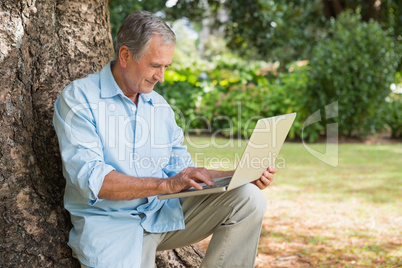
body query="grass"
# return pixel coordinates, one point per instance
(323, 216)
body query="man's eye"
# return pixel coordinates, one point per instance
(159, 66)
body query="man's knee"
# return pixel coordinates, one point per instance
(247, 201)
(255, 197)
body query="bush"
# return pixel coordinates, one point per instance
(181, 91)
(244, 104)
(295, 86)
(354, 65)
(193, 89)
(394, 115)
(228, 96)
(394, 108)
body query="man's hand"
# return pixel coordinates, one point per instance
(189, 177)
(266, 178)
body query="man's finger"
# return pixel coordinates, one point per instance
(202, 175)
(268, 175)
(272, 170)
(266, 181)
(260, 185)
(195, 185)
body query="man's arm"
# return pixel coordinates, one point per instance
(118, 186)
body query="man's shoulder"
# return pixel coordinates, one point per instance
(84, 87)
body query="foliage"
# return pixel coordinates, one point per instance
(228, 95)
(354, 65)
(244, 102)
(393, 116)
(393, 22)
(282, 30)
(219, 91)
(288, 30)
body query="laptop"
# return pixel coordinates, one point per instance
(261, 151)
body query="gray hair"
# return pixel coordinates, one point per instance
(137, 30)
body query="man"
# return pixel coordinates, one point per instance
(121, 147)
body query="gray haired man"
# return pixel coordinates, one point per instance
(121, 147)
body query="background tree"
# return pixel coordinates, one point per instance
(243, 32)
(44, 45)
(282, 31)
(386, 12)
(269, 30)
(288, 30)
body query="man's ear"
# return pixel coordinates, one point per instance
(124, 56)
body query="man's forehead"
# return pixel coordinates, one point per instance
(159, 53)
(158, 41)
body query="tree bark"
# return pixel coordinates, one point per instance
(44, 45)
(190, 256)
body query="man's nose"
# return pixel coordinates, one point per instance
(160, 75)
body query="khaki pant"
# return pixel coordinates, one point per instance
(234, 218)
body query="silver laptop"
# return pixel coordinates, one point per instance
(261, 151)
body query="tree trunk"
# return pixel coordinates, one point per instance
(44, 45)
(190, 256)
(370, 9)
(333, 7)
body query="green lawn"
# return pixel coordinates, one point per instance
(323, 216)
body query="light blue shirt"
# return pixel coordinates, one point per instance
(100, 130)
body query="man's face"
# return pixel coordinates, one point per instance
(142, 76)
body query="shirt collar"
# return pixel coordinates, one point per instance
(109, 87)
(147, 98)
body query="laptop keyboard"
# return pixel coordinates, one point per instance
(219, 183)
